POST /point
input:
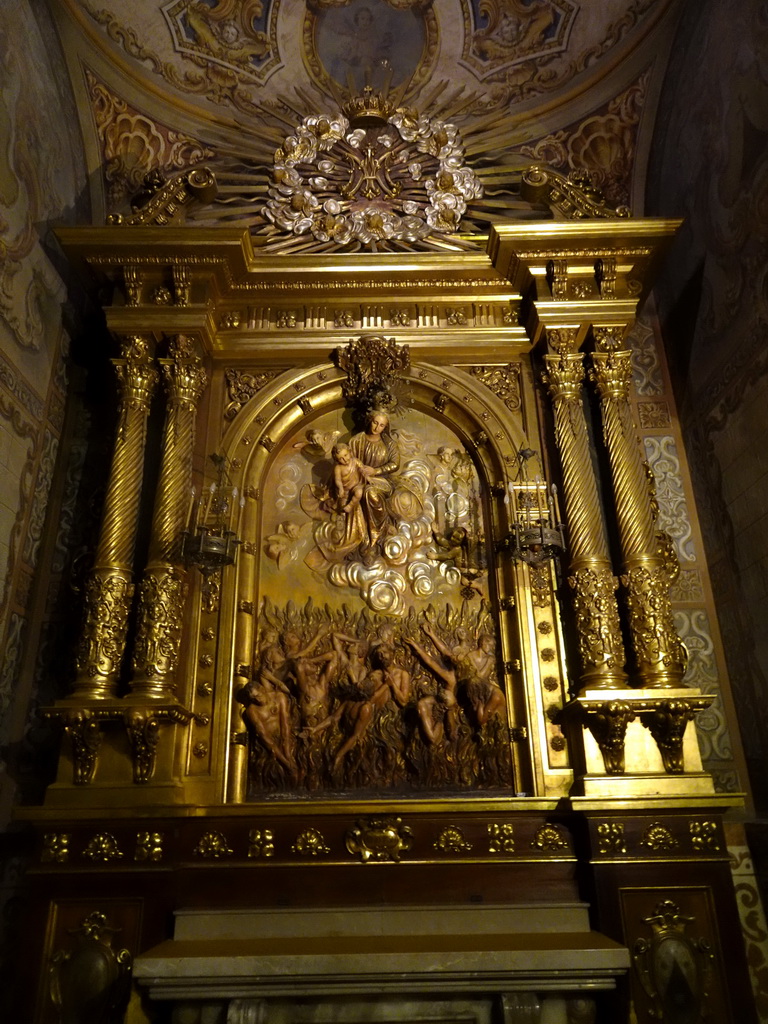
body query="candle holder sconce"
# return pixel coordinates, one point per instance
(209, 541)
(537, 533)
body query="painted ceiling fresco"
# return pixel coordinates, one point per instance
(170, 84)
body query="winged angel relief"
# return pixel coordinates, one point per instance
(227, 31)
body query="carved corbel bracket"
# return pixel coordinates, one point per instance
(628, 750)
(667, 723)
(608, 724)
(84, 732)
(142, 724)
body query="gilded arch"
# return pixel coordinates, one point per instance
(449, 412)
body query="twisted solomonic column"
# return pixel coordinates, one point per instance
(647, 574)
(109, 589)
(591, 575)
(163, 587)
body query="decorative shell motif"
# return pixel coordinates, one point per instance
(400, 179)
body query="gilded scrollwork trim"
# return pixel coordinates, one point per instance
(379, 838)
(84, 732)
(164, 202)
(573, 197)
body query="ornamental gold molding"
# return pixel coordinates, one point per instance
(550, 838)
(311, 843)
(452, 840)
(103, 848)
(610, 839)
(261, 843)
(56, 848)
(658, 838)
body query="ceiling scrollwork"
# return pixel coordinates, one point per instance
(560, 83)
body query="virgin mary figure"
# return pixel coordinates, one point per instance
(378, 452)
(359, 497)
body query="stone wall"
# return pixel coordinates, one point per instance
(710, 164)
(42, 177)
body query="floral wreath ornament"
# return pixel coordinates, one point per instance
(371, 174)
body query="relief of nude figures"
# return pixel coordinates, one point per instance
(339, 702)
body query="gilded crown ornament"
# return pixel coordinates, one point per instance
(370, 176)
(369, 110)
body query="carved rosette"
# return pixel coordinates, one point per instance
(600, 644)
(608, 725)
(108, 592)
(163, 589)
(658, 651)
(667, 724)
